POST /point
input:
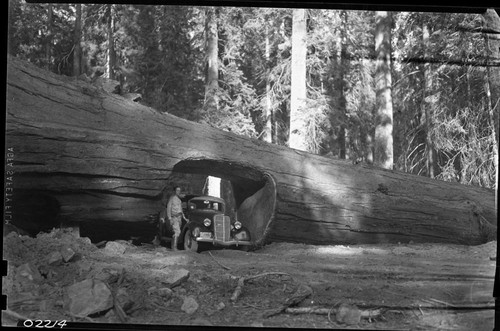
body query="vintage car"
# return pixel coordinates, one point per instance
(209, 225)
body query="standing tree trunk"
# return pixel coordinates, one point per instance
(111, 63)
(297, 136)
(212, 78)
(491, 24)
(77, 36)
(383, 85)
(268, 127)
(48, 40)
(212, 56)
(342, 103)
(427, 105)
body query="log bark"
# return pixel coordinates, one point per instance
(82, 154)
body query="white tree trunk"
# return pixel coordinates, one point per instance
(212, 56)
(383, 84)
(297, 136)
(268, 128)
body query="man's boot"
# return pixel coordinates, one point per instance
(174, 243)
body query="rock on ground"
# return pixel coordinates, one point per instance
(67, 253)
(88, 297)
(114, 247)
(55, 258)
(174, 277)
(189, 306)
(165, 292)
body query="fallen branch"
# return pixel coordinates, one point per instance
(432, 300)
(119, 311)
(242, 280)
(302, 292)
(267, 274)
(121, 278)
(223, 266)
(327, 311)
(238, 289)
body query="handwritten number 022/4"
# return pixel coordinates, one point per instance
(44, 323)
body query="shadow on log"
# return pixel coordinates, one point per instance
(104, 158)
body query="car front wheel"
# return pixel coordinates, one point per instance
(189, 243)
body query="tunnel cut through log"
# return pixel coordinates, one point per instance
(253, 191)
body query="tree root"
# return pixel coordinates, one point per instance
(302, 292)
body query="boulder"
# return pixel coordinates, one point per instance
(189, 306)
(165, 292)
(174, 277)
(107, 275)
(55, 258)
(88, 297)
(27, 278)
(114, 247)
(29, 272)
(67, 253)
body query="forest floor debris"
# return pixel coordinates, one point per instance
(407, 286)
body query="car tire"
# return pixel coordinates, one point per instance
(190, 244)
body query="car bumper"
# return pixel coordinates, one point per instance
(224, 243)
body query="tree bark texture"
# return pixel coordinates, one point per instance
(82, 154)
(111, 63)
(383, 153)
(212, 55)
(48, 39)
(297, 136)
(491, 24)
(341, 86)
(427, 105)
(77, 52)
(267, 134)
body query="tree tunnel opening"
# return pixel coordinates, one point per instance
(33, 211)
(249, 192)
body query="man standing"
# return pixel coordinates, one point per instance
(174, 214)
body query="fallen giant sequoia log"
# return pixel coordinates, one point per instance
(82, 154)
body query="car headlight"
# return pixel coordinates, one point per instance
(207, 222)
(237, 225)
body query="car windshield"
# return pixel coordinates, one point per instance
(205, 204)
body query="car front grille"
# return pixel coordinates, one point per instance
(222, 227)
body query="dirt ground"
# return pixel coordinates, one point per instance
(406, 286)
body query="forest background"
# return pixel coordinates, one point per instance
(416, 92)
